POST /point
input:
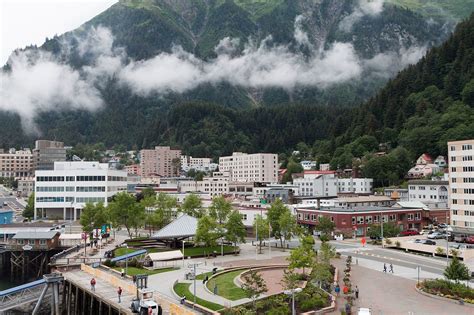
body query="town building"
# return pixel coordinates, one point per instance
(461, 182)
(441, 162)
(161, 161)
(357, 221)
(133, 169)
(324, 167)
(355, 185)
(429, 191)
(47, 152)
(35, 240)
(308, 165)
(26, 186)
(424, 167)
(316, 183)
(198, 164)
(64, 191)
(399, 194)
(258, 167)
(16, 163)
(216, 185)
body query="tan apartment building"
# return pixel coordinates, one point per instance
(161, 161)
(258, 167)
(16, 163)
(461, 182)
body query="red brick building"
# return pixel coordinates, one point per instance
(358, 219)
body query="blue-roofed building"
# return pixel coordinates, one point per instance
(6, 216)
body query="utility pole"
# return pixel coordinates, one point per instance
(381, 226)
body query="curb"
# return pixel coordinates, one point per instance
(441, 298)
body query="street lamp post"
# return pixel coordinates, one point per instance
(292, 293)
(126, 261)
(381, 227)
(183, 252)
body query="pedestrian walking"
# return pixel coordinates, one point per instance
(337, 289)
(348, 309)
(357, 292)
(150, 310)
(215, 289)
(391, 268)
(93, 284)
(119, 293)
(345, 289)
(123, 273)
(384, 267)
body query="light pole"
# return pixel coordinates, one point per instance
(381, 227)
(126, 260)
(183, 252)
(194, 265)
(292, 293)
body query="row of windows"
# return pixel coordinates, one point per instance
(50, 189)
(49, 199)
(89, 199)
(80, 178)
(467, 158)
(469, 190)
(466, 180)
(50, 178)
(30, 242)
(466, 169)
(90, 189)
(91, 178)
(467, 146)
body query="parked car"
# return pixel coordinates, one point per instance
(436, 235)
(442, 226)
(460, 238)
(409, 232)
(428, 242)
(470, 239)
(418, 241)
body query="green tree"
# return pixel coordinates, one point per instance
(254, 285)
(261, 228)
(192, 205)
(29, 210)
(274, 213)
(125, 211)
(148, 192)
(325, 226)
(389, 230)
(206, 232)
(457, 270)
(220, 209)
(292, 167)
(288, 226)
(302, 256)
(290, 279)
(235, 229)
(93, 216)
(468, 93)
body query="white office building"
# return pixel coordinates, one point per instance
(259, 167)
(317, 183)
(61, 193)
(355, 185)
(434, 191)
(198, 164)
(461, 182)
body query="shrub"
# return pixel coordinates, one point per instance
(281, 310)
(454, 252)
(397, 243)
(439, 250)
(448, 288)
(338, 255)
(312, 304)
(110, 263)
(388, 241)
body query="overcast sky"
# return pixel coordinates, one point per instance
(26, 22)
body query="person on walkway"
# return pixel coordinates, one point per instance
(337, 289)
(215, 289)
(93, 284)
(150, 310)
(348, 309)
(384, 267)
(119, 293)
(357, 292)
(123, 273)
(345, 289)
(391, 268)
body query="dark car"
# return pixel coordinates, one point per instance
(409, 233)
(428, 242)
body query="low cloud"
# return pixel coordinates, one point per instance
(363, 8)
(39, 81)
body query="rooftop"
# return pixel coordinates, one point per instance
(183, 227)
(427, 182)
(35, 235)
(354, 209)
(358, 199)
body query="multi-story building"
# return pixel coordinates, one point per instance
(308, 165)
(16, 163)
(26, 186)
(316, 183)
(258, 167)
(399, 194)
(216, 185)
(428, 191)
(63, 191)
(133, 169)
(355, 185)
(197, 164)
(161, 161)
(47, 152)
(461, 182)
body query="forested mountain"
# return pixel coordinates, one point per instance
(455, 9)
(343, 51)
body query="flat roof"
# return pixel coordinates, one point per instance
(364, 199)
(356, 209)
(427, 182)
(35, 235)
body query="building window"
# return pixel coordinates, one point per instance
(368, 219)
(31, 242)
(467, 146)
(410, 217)
(454, 201)
(453, 148)
(418, 216)
(353, 220)
(360, 220)
(455, 212)
(244, 217)
(42, 242)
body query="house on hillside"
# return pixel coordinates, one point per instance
(440, 161)
(423, 170)
(424, 159)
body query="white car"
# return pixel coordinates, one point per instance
(364, 311)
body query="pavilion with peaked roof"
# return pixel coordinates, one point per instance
(182, 228)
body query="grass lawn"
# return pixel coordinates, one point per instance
(133, 271)
(203, 275)
(200, 251)
(183, 289)
(226, 286)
